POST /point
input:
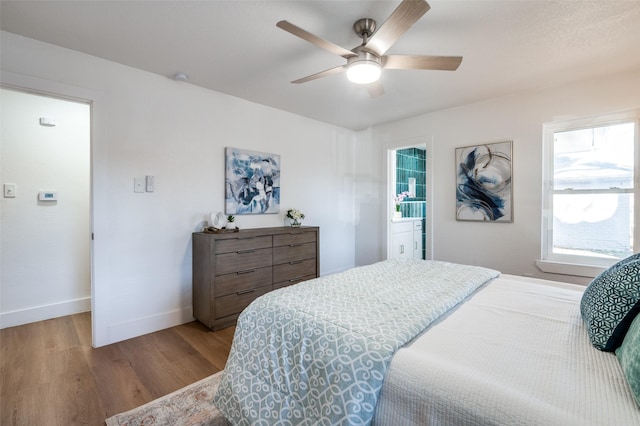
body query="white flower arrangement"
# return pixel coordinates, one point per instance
(295, 214)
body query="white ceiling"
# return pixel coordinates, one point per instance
(234, 47)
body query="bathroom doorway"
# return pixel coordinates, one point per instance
(409, 221)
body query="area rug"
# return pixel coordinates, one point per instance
(189, 406)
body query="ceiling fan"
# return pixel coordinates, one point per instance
(366, 61)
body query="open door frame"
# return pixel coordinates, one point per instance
(391, 185)
(98, 195)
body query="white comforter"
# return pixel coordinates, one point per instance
(516, 353)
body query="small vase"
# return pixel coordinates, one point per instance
(397, 215)
(296, 223)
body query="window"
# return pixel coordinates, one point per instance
(590, 175)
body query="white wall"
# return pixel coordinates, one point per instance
(509, 247)
(44, 244)
(146, 124)
(369, 197)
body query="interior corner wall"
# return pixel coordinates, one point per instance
(177, 132)
(45, 263)
(514, 247)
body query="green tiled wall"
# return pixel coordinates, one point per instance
(410, 162)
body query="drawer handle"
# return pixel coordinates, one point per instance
(295, 280)
(248, 271)
(245, 251)
(295, 245)
(296, 262)
(240, 293)
(245, 238)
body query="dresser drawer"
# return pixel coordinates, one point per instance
(243, 261)
(243, 243)
(236, 302)
(241, 281)
(294, 238)
(294, 252)
(294, 270)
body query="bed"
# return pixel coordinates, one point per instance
(412, 342)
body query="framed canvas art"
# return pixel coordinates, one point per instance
(484, 190)
(252, 182)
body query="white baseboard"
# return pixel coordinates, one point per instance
(140, 326)
(45, 312)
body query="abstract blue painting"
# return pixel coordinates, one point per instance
(484, 182)
(252, 182)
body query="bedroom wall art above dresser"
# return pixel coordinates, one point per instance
(232, 269)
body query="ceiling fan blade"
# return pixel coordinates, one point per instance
(324, 44)
(400, 20)
(416, 62)
(321, 74)
(375, 89)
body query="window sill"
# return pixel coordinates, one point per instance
(569, 269)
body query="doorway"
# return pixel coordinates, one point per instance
(409, 221)
(45, 229)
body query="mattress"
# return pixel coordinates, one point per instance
(516, 353)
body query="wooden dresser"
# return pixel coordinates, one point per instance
(232, 269)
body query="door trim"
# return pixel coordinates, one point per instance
(391, 185)
(98, 183)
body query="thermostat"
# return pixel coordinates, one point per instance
(47, 196)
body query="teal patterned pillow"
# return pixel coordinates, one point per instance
(629, 356)
(626, 260)
(611, 302)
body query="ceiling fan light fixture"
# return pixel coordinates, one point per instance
(364, 68)
(364, 72)
(365, 62)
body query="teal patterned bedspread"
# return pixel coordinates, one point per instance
(316, 353)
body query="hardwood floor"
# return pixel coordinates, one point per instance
(50, 374)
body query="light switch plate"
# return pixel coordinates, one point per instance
(10, 190)
(138, 185)
(150, 180)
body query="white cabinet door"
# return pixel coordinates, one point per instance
(402, 240)
(402, 244)
(417, 239)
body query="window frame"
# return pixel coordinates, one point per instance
(569, 264)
